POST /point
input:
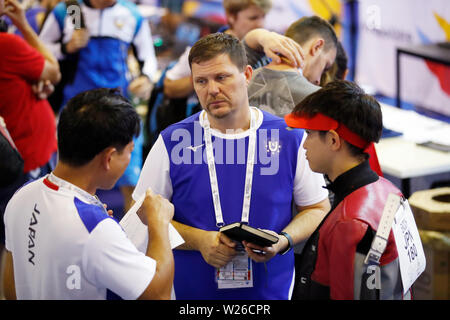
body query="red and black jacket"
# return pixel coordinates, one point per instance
(331, 265)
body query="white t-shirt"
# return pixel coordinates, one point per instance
(181, 69)
(65, 246)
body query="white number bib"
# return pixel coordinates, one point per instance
(410, 251)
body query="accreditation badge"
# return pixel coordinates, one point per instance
(238, 273)
(409, 247)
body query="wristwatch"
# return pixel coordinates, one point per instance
(290, 245)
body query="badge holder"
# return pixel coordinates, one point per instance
(238, 273)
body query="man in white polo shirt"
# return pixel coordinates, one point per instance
(61, 243)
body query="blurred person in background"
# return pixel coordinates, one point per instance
(93, 44)
(278, 87)
(242, 16)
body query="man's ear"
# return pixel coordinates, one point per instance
(317, 46)
(248, 73)
(345, 74)
(231, 18)
(107, 157)
(334, 140)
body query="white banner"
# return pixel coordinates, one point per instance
(285, 12)
(385, 25)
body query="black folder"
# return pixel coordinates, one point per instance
(242, 232)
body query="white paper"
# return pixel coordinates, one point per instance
(137, 232)
(414, 126)
(409, 246)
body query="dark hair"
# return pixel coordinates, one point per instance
(3, 25)
(92, 121)
(348, 104)
(11, 163)
(216, 44)
(305, 28)
(339, 67)
(341, 62)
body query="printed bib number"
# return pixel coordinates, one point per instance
(410, 251)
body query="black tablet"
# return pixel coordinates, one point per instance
(242, 232)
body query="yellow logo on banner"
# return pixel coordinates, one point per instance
(445, 25)
(441, 72)
(190, 7)
(325, 8)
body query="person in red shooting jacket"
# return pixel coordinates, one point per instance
(341, 122)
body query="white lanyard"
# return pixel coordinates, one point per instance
(248, 174)
(80, 192)
(380, 240)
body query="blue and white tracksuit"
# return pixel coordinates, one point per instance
(103, 62)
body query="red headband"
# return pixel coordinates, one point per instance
(323, 123)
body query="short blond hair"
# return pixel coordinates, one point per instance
(215, 44)
(306, 28)
(234, 6)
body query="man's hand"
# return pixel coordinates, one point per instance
(217, 249)
(155, 210)
(157, 213)
(79, 40)
(141, 87)
(16, 12)
(43, 89)
(276, 46)
(266, 253)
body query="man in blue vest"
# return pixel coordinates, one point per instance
(233, 163)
